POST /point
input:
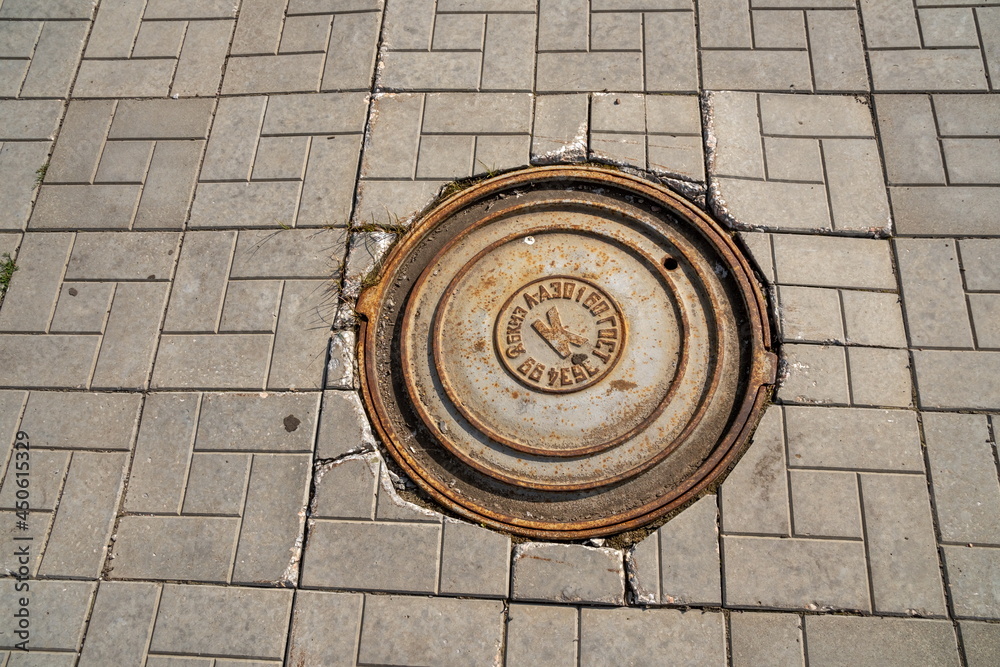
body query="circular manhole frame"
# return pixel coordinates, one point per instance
(393, 399)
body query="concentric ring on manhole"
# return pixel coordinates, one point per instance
(565, 352)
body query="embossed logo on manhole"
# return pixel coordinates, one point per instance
(565, 352)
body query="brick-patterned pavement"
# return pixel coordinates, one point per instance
(194, 190)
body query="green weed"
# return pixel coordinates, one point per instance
(7, 269)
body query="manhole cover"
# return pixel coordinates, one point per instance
(565, 352)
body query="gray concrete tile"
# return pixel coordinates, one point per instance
(957, 379)
(251, 306)
(130, 337)
(120, 624)
(446, 156)
(508, 53)
(873, 318)
(853, 438)
(756, 70)
(431, 631)
(162, 453)
(395, 136)
(258, 28)
(558, 625)
(854, 180)
(458, 32)
(962, 471)
(19, 174)
(78, 542)
(113, 256)
(755, 494)
(74, 420)
(816, 374)
(934, 300)
(325, 113)
(795, 573)
(774, 639)
(13, 539)
(405, 199)
(58, 9)
(825, 504)
(971, 573)
(313, 614)
(725, 23)
(55, 60)
(341, 369)
(352, 555)
(908, 134)
(185, 548)
(929, 211)
(562, 25)
(689, 556)
(974, 161)
(810, 314)
(288, 253)
(223, 361)
(31, 296)
(58, 613)
(302, 34)
(793, 158)
(249, 622)
(345, 489)
(47, 361)
(430, 70)
(409, 27)
(85, 207)
(47, 470)
(159, 39)
(902, 547)
(474, 561)
(670, 52)
(927, 69)
(273, 523)
(123, 78)
(823, 261)
(836, 51)
(567, 573)
(893, 24)
(343, 425)
(569, 72)
(200, 282)
(114, 27)
(978, 268)
(124, 162)
(775, 203)
(216, 484)
(301, 340)
(30, 119)
(880, 377)
(631, 636)
(233, 141)
(170, 185)
(843, 640)
(270, 422)
(286, 73)
(328, 192)
(986, 319)
(774, 29)
(280, 158)
(258, 204)
(561, 128)
(981, 642)
(352, 67)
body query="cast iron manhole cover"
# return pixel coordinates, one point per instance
(565, 352)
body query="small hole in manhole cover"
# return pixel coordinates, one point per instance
(565, 352)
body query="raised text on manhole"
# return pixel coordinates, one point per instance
(559, 334)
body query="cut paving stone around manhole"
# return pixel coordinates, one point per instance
(565, 352)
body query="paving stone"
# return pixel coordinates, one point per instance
(981, 642)
(930, 211)
(258, 28)
(343, 425)
(735, 126)
(978, 268)
(972, 160)
(395, 136)
(113, 256)
(287, 73)
(85, 207)
(936, 313)
(988, 20)
(670, 52)
(75, 157)
(561, 128)
(810, 314)
(815, 116)
(853, 438)
(301, 339)
(251, 306)
(233, 142)
(573, 71)
(58, 613)
(756, 70)
(433, 70)
(72, 420)
(47, 361)
(986, 319)
(845, 640)
(162, 451)
(825, 504)
(495, 153)
(962, 470)
(328, 192)
(793, 158)
(459, 32)
(130, 336)
(816, 374)
(216, 484)
(957, 379)
(159, 39)
(873, 318)
(351, 67)
(775, 203)
(169, 185)
(345, 489)
(351, 555)
(30, 119)
(642, 566)
(13, 539)
(28, 303)
(631, 636)
(474, 561)
(902, 550)
(880, 377)
(910, 147)
(78, 541)
(280, 158)
(795, 573)
(120, 624)
(272, 525)
(777, 29)
(167, 661)
(966, 115)
(249, 622)
(725, 23)
(405, 199)
(124, 162)
(755, 494)
(310, 639)
(341, 369)
(184, 548)
(559, 25)
(838, 57)
(689, 556)
(410, 27)
(19, 182)
(123, 78)
(222, 361)
(35, 658)
(558, 625)
(57, 9)
(972, 573)
(288, 253)
(55, 59)
(258, 204)
(446, 156)
(364, 259)
(271, 422)
(927, 69)
(892, 24)
(568, 573)
(325, 113)
(823, 261)
(774, 639)
(854, 181)
(200, 282)
(305, 33)
(112, 23)
(508, 58)
(47, 470)
(431, 631)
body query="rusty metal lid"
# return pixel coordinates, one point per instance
(565, 352)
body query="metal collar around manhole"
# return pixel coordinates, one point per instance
(565, 352)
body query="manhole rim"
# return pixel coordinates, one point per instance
(748, 411)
